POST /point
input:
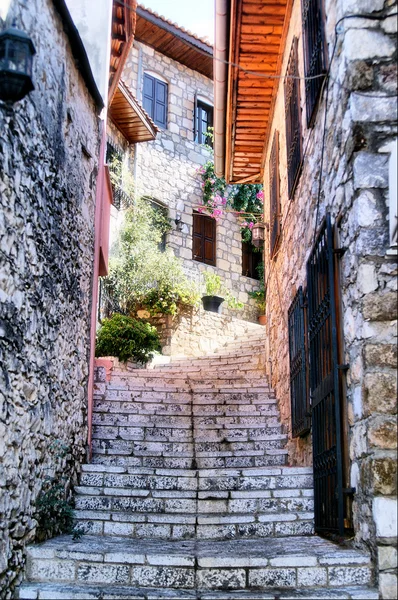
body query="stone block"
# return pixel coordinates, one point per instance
(385, 517)
(273, 578)
(367, 44)
(163, 577)
(340, 576)
(382, 433)
(380, 307)
(387, 557)
(370, 170)
(381, 393)
(381, 355)
(311, 577)
(93, 573)
(371, 109)
(221, 578)
(51, 570)
(388, 586)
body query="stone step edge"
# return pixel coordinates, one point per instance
(54, 591)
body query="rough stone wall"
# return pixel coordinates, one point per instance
(49, 147)
(360, 130)
(197, 332)
(166, 169)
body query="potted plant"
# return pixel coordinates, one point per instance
(259, 297)
(212, 301)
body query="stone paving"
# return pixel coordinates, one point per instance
(188, 496)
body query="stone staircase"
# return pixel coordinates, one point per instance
(188, 495)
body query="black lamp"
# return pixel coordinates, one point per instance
(16, 58)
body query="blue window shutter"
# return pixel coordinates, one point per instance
(160, 115)
(149, 95)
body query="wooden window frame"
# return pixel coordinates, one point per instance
(154, 98)
(315, 53)
(294, 142)
(200, 135)
(251, 270)
(195, 235)
(275, 200)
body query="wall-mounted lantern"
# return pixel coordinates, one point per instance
(16, 59)
(258, 234)
(178, 222)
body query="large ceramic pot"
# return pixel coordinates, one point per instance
(262, 319)
(212, 303)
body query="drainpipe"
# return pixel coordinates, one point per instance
(220, 84)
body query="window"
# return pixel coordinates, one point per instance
(203, 120)
(275, 203)
(114, 160)
(314, 53)
(250, 261)
(155, 100)
(293, 120)
(204, 239)
(160, 217)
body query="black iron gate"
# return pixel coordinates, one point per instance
(301, 422)
(324, 384)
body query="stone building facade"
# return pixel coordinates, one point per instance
(354, 144)
(166, 169)
(49, 148)
(360, 136)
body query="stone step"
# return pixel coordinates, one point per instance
(54, 591)
(274, 565)
(271, 458)
(181, 526)
(112, 412)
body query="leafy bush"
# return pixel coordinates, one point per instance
(141, 275)
(125, 338)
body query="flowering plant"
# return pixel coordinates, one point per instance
(246, 199)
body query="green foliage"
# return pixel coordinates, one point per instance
(140, 274)
(127, 338)
(214, 287)
(260, 295)
(244, 199)
(54, 514)
(212, 283)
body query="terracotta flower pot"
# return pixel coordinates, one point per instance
(262, 319)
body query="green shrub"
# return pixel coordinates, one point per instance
(126, 338)
(214, 287)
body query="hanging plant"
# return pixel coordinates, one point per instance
(244, 199)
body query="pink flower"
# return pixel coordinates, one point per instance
(260, 195)
(224, 201)
(217, 212)
(201, 209)
(251, 225)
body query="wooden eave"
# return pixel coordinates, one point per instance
(257, 38)
(122, 36)
(129, 116)
(174, 41)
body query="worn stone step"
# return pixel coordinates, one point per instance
(270, 564)
(271, 458)
(53, 591)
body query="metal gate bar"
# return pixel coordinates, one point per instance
(324, 384)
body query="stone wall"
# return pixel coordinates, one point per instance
(49, 147)
(197, 332)
(359, 133)
(166, 169)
